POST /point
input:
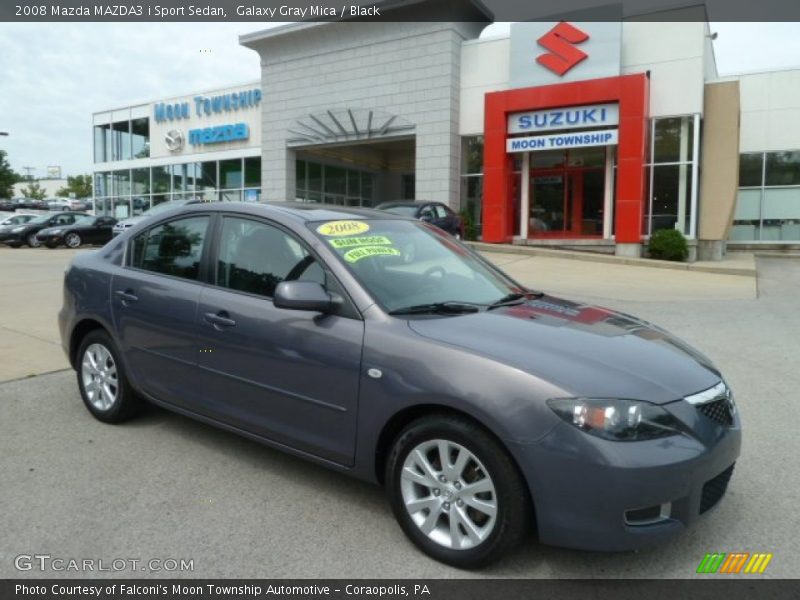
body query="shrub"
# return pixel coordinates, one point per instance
(668, 244)
(470, 226)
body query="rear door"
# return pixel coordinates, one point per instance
(288, 375)
(154, 304)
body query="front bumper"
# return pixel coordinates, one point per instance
(584, 487)
(50, 238)
(9, 237)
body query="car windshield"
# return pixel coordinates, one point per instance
(403, 210)
(408, 265)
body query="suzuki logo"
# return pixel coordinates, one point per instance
(563, 55)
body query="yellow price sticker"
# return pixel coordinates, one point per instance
(356, 254)
(337, 228)
(370, 240)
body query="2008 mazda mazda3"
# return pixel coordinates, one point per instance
(383, 347)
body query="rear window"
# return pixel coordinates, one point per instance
(402, 210)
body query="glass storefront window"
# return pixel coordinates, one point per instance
(121, 181)
(230, 196)
(672, 187)
(141, 181)
(140, 138)
(300, 179)
(183, 177)
(162, 180)
(782, 168)
(102, 185)
(314, 178)
(472, 155)
(768, 203)
(121, 140)
(548, 159)
(672, 139)
(121, 208)
(230, 173)
(587, 157)
(252, 171)
(102, 150)
(159, 198)
(751, 169)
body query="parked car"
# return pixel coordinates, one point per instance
(26, 233)
(155, 210)
(86, 230)
(382, 347)
(436, 213)
(16, 219)
(6, 204)
(67, 204)
(31, 204)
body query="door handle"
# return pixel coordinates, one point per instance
(219, 319)
(126, 296)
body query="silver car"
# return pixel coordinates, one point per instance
(383, 348)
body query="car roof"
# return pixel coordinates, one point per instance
(301, 211)
(407, 203)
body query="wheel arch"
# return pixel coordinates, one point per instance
(402, 418)
(83, 328)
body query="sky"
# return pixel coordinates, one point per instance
(54, 76)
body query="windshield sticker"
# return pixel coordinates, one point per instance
(371, 240)
(356, 254)
(337, 228)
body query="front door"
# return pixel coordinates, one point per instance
(288, 375)
(566, 199)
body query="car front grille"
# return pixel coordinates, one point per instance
(718, 410)
(714, 489)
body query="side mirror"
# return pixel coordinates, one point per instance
(303, 295)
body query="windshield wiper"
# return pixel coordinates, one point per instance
(514, 299)
(445, 308)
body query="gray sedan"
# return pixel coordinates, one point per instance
(381, 347)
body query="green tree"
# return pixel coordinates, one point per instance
(7, 176)
(34, 190)
(80, 185)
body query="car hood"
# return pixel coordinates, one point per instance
(586, 350)
(130, 221)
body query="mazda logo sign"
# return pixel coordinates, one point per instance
(174, 140)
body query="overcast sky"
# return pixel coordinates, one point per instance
(54, 76)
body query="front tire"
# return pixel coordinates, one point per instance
(456, 492)
(32, 241)
(73, 240)
(102, 381)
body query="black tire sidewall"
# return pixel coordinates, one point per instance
(513, 504)
(127, 403)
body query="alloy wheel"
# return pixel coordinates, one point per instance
(72, 240)
(32, 241)
(99, 376)
(449, 494)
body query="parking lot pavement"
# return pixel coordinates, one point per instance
(164, 486)
(31, 283)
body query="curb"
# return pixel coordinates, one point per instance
(615, 260)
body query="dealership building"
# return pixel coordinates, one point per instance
(580, 134)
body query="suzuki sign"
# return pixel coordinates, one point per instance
(547, 53)
(574, 117)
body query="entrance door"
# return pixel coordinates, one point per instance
(566, 202)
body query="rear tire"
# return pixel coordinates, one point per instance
(32, 241)
(456, 492)
(102, 381)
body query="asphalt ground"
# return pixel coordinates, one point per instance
(166, 487)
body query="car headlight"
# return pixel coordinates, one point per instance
(617, 420)
(17, 229)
